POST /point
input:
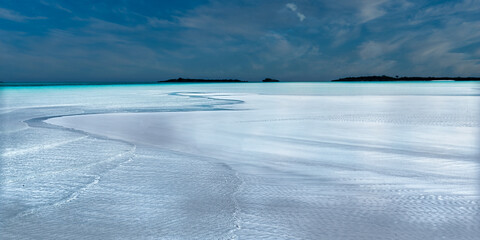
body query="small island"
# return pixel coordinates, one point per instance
(270, 80)
(384, 78)
(190, 80)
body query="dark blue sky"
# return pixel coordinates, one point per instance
(309, 40)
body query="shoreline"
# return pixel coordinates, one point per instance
(227, 83)
(281, 157)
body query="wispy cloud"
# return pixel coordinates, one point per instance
(447, 10)
(157, 23)
(107, 26)
(16, 17)
(371, 9)
(56, 5)
(377, 50)
(294, 8)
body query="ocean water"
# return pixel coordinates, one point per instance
(241, 161)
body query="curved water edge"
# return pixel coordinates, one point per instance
(10, 220)
(42, 122)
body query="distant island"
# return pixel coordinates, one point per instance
(384, 78)
(191, 80)
(270, 80)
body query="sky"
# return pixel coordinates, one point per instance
(303, 40)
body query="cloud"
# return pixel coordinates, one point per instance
(95, 24)
(371, 9)
(279, 47)
(440, 50)
(220, 19)
(294, 8)
(242, 39)
(477, 53)
(462, 9)
(16, 17)
(158, 23)
(57, 6)
(377, 50)
(69, 56)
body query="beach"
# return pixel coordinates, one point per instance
(366, 161)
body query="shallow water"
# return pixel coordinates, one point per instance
(247, 161)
